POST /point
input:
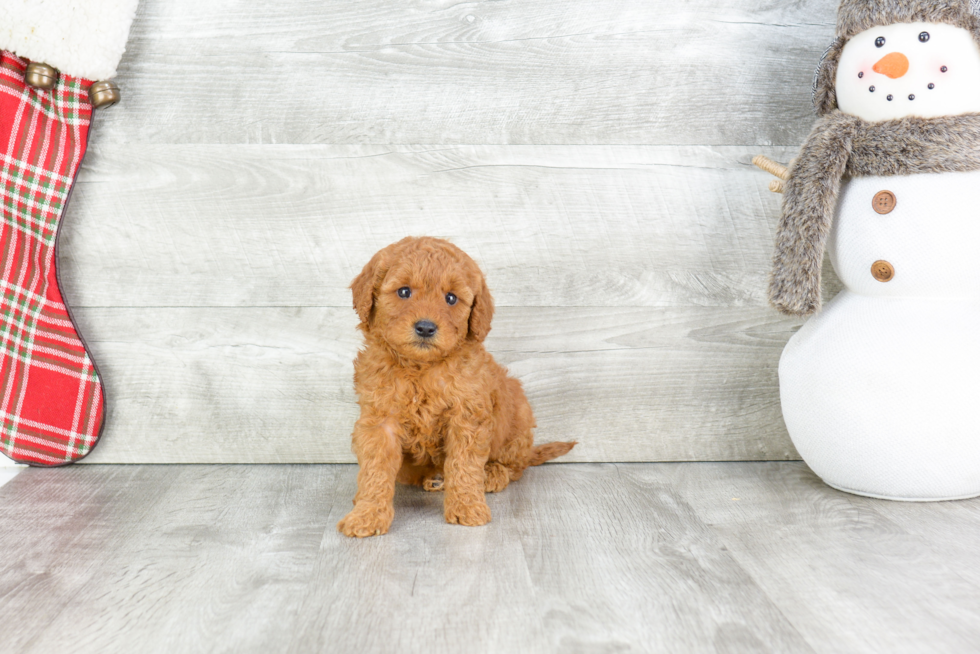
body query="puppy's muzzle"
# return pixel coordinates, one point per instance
(426, 328)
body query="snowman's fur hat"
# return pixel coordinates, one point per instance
(843, 145)
(856, 16)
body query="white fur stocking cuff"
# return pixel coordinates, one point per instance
(82, 38)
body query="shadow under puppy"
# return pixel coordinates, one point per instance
(436, 410)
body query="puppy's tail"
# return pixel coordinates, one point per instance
(549, 451)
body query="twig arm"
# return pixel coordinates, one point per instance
(773, 168)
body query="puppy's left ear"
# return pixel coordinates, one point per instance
(481, 313)
(365, 285)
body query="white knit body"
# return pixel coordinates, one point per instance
(881, 389)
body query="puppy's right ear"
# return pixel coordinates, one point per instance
(365, 285)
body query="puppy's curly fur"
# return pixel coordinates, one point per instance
(436, 410)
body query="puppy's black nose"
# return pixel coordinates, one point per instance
(425, 329)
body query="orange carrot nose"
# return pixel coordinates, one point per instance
(893, 65)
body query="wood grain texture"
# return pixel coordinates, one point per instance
(56, 528)
(423, 71)
(897, 577)
(622, 566)
(218, 560)
(593, 158)
(196, 225)
(275, 384)
(733, 557)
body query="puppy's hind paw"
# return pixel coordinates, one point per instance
(433, 484)
(496, 477)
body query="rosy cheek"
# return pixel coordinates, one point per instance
(937, 66)
(863, 69)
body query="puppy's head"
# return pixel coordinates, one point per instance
(424, 297)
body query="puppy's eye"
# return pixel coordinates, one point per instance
(924, 37)
(880, 41)
(404, 292)
(450, 299)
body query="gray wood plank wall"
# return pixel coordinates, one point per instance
(592, 157)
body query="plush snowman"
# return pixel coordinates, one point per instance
(880, 389)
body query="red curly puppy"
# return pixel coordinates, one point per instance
(436, 410)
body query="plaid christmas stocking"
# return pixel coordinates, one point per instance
(51, 397)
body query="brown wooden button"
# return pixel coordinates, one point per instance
(882, 271)
(884, 202)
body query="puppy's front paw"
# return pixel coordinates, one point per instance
(366, 520)
(473, 514)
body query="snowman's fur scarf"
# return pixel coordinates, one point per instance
(856, 16)
(843, 145)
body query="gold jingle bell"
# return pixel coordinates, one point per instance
(103, 94)
(41, 76)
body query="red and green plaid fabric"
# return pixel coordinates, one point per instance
(51, 398)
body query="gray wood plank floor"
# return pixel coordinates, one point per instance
(7, 471)
(685, 557)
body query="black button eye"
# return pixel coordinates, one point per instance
(880, 41)
(450, 299)
(924, 37)
(404, 292)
